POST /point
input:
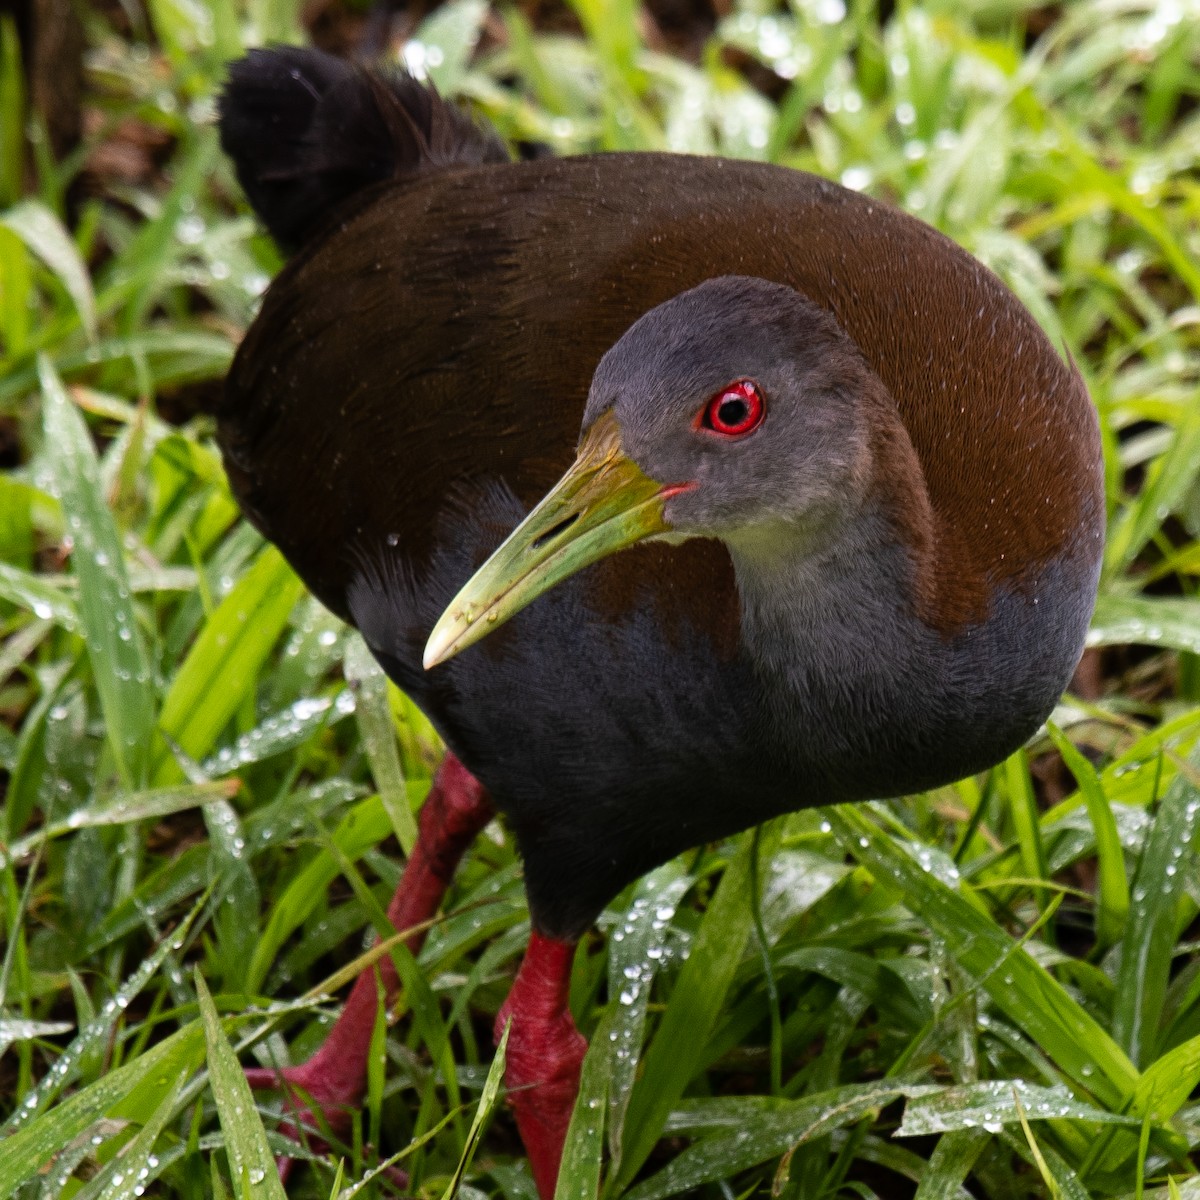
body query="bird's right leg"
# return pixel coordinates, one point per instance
(334, 1079)
(545, 1055)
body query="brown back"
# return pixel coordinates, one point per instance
(446, 331)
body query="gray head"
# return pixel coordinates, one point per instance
(751, 393)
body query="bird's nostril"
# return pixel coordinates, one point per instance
(553, 532)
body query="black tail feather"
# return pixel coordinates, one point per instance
(307, 130)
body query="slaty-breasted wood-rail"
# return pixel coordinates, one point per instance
(856, 493)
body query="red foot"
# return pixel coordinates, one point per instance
(335, 1078)
(315, 1085)
(545, 1053)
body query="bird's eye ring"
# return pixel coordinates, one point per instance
(735, 410)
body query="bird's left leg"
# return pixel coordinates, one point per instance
(544, 1056)
(334, 1079)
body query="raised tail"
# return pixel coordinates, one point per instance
(306, 131)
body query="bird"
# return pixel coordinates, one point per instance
(678, 492)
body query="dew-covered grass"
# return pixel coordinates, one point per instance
(991, 990)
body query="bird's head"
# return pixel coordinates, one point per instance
(733, 410)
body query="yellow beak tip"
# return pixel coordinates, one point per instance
(439, 648)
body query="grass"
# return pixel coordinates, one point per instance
(990, 990)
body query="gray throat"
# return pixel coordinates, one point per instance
(858, 692)
(830, 616)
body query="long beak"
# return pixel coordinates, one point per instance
(602, 504)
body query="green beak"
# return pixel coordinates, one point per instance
(602, 504)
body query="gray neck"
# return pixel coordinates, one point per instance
(865, 696)
(829, 597)
(867, 699)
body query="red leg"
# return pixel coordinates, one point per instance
(545, 1053)
(456, 809)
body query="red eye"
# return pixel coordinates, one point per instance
(736, 410)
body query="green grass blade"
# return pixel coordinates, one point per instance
(222, 666)
(43, 599)
(1035, 1150)
(636, 949)
(1062, 1183)
(487, 1102)
(364, 826)
(1170, 479)
(17, 297)
(12, 111)
(133, 1168)
(123, 810)
(20, 1030)
(251, 1163)
(579, 1173)
(166, 355)
(30, 1149)
(48, 238)
(275, 21)
(1113, 906)
(1149, 943)
(766, 1134)
(452, 32)
(700, 991)
(1170, 622)
(1020, 986)
(995, 1103)
(106, 612)
(1167, 1082)
(376, 1065)
(950, 1164)
(281, 731)
(1024, 809)
(101, 1028)
(374, 713)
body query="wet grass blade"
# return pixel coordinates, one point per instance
(1020, 986)
(995, 1103)
(579, 1173)
(107, 616)
(1149, 942)
(101, 1028)
(364, 826)
(222, 667)
(1168, 1082)
(124, 809)
(43, 599)
(44, 234)
(1024, 810)
(374, 713)
(766, 1135)
(1113, 904)
(135, 1165)
(251, 1163)
(950, 1164)
(1169, 622)
(487, 1102)
(637, 948)
(1172, 476)
(29, 1150)
(695, 1004)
